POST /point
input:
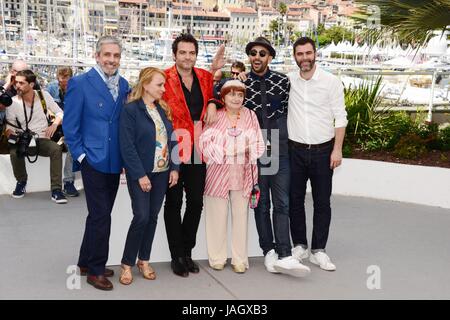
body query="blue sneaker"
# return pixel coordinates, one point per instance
(20, 190)
(70, 190)
(58, 196)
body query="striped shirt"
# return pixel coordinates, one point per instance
(218, 148)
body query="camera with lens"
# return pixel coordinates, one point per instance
(5, 97)
(22, 141)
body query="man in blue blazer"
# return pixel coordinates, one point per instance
(93, 104)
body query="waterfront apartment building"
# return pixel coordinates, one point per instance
(243, 24)
(236, 20)
(265, 17)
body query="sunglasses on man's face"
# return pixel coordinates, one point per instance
(262, 53)
(234, 73)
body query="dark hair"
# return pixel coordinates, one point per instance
(184, 37)
(28, 74)
(302, 41)
(239, 65)
(64, 72)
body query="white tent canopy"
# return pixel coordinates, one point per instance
(437, 46)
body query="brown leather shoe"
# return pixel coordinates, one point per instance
(108, 272)
(100, 282)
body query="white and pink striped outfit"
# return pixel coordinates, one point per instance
(229, 179)
(215, 143)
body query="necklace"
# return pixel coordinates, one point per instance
(234, 131)
(149, 104)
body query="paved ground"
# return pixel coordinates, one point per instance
(403, 248)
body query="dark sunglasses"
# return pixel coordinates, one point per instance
(234, 73)
(262, 53)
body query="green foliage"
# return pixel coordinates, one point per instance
(276, 28)
(429, 133)
(444, 139)
(320, 28)
(412, 21)
(410, 146)
(372, 127)
(399, 124)
(282, 8)
(335, 34)
(364, 122)
(347, 150)
(273, 26)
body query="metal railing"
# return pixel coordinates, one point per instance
(131, 68)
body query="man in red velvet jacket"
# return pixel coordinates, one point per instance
(189, 94)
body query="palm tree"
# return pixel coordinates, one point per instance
(411, 21)
(274, 28)
(282, 9)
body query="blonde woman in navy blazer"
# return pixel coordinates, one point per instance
(146, 148)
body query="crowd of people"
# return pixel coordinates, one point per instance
(224, 144)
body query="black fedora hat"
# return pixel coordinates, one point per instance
(260, 41)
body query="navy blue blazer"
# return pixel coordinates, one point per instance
(137, 139)
(91, 121)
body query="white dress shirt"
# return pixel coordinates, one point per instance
(316, 107)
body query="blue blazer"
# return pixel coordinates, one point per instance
(137, 138)
(53, 89)
(91, 121)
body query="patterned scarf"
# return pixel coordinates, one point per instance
(112, 82)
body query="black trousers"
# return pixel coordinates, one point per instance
(313, 165)
(182, 231)
(100, 189)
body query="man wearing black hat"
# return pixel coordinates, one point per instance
(267, 95)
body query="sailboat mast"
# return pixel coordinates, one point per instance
(140, 26)
(74, 34)
(24, 25)
(192, 17)
(49, 20)
(2, 11)
(83, 25)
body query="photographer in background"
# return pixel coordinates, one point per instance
(5, 101)
(25, 118)
(7, 90)
(9, 82)
(57, 90)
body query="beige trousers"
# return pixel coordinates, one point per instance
(216, 220)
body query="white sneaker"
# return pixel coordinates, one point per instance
(270, 259)
(292, 267)
(299, 253)
(322, 260)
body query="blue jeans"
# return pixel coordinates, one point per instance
(146, 206)
(277, 186)
(312, 164)
(69, 175)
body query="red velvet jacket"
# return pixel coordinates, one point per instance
(182, 121)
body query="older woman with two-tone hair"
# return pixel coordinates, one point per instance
(230, 147)
(146, 148)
